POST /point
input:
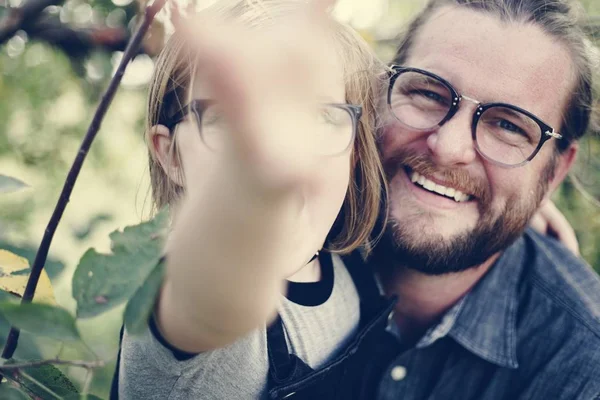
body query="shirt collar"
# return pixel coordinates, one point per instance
(484, 321)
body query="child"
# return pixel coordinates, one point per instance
(271, 138)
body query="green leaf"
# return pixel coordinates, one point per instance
(8, 297)
(29, 346)
(41, 319)
(9, 184)
(82, 397)
(53, 267)
(140, 306)
(24, 271)
(49, 376)
(104, 281)
(83, 232)
(8, 392)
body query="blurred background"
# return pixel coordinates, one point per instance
(52, 74)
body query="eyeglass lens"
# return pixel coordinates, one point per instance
(332, 128)
(502, 134)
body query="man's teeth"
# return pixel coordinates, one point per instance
(457, 195)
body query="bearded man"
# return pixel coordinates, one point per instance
(486, 103)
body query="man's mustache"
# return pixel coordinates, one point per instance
(423, 164)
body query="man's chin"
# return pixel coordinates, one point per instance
(439, 254)
(432, 254)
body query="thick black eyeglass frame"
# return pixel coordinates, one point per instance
(198, 107)
(547, 131)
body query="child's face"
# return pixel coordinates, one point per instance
(324, 192)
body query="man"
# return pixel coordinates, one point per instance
(483, 121)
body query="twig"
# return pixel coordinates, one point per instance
(39, 363)
(40, 384)
(88, 382)
(76, 42)
(60, 349)
(42, 254)
(18, 17)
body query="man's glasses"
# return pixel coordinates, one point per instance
(504, 134)
(333, 131)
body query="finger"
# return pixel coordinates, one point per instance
(322, 6)
(226, 75)
(560, 227)
(538, 222)
(261, 96)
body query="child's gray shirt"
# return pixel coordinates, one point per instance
(149, 370)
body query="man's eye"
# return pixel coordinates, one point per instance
(510, 127)
(429, 96)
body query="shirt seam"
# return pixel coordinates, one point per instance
(169, 397)
(544, 289)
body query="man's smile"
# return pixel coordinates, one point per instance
(435, 186)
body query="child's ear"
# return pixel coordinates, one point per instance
(161, 145)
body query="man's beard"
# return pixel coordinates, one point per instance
(431, 253)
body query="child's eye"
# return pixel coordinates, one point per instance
(212, 116)
(332, 115)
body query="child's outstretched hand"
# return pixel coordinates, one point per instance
(267, 83)
(244, 222)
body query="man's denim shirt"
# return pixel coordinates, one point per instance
(530, 329)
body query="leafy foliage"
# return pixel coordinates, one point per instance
(14, 272)
(137, 250)
(49, 376)
(53, 87)
(104, 281)
(29, 347)
(42, 319)
(9, 184)
(8, 392)
(84, 232)
(140, 306)
(8, 297)
(53, 267)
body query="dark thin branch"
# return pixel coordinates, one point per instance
(42, 254)
(39, 363)
(18, 18)
(77, 43)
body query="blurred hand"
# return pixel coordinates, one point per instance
(550, 221)
(267, 83)
(246, 223)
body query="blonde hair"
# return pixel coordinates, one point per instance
(362, 72)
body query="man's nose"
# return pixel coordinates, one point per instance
(452, 143)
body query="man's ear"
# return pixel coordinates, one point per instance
(564, 162)
(162, 146)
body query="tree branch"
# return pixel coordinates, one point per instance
(39, 363)
(42, 254)
(77, 43)
(17, 18)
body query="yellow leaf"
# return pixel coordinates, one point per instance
(10, 263)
